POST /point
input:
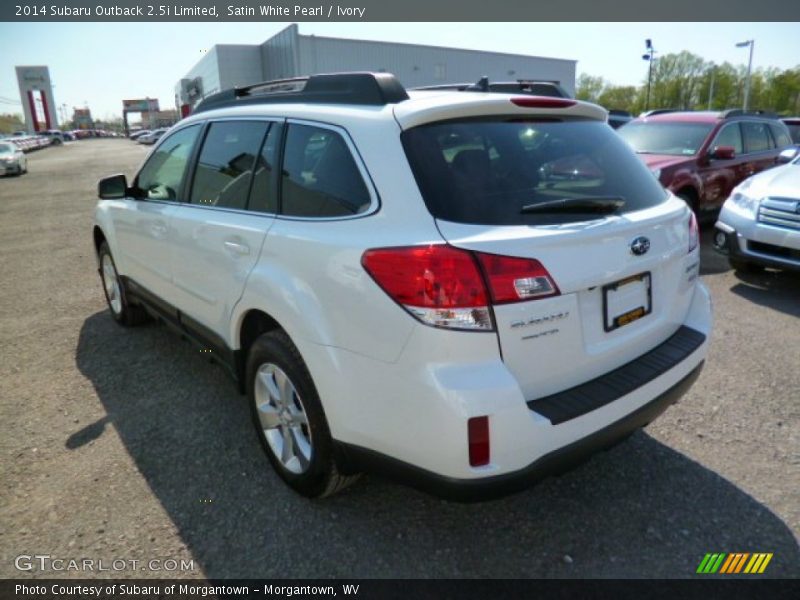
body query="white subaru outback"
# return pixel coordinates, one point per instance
(467, 291)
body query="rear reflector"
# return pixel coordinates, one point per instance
(513, 279)
(542, 102)
(478, 438)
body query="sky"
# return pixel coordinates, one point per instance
(100, 64)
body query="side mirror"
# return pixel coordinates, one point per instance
(112, 188)
(787, 156)
(723, 152)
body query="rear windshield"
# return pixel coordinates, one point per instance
(677, 139)
(486, 171)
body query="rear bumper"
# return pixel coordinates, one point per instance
(553, 463)
(409, 418)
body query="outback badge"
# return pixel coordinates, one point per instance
(640, 245)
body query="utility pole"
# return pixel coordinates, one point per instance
(648, 56)
(711, 87)
(749, 43)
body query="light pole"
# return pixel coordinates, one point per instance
(648, 56)
(749, 43)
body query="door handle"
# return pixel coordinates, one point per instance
(236, 247)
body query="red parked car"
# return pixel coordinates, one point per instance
(702, 156)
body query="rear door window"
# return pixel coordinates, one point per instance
(756, 137)
(781, 135)
(486, 171)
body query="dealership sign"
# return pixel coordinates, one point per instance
(145, 105)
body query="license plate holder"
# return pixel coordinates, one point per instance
(627, 300)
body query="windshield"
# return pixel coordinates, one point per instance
(676, 139)
(6, 149)
(496, 171)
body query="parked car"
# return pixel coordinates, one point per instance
(56, 136)
(400, 283)
(702, 156)
(793, 123)
(137, 134)
(152, 137)
(759, 225)
(12, 159)
(618, 118)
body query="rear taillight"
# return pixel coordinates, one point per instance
(449, 287)
(478, 441)
(694, 232)
(438, 284)
(513, 279)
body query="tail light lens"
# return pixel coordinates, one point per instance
(513, 279)
(694, 232)
(438, 284)
(449, 287)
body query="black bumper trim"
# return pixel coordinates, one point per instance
(353, 459)
(732, 250)
(594, 394)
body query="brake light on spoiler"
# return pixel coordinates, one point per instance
(542, 102)
(444, 286)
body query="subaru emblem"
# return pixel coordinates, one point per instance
(640, 245)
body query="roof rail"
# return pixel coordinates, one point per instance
(520, 86)
(659, 111)
(374, 89)
(738, 112)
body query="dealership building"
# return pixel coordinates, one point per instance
(290, 54)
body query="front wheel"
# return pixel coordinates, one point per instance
(289, 418)
(114, 289)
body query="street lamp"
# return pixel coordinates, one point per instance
(649, 56)
(749, 43)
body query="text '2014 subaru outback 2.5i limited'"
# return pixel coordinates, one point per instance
(463, 290)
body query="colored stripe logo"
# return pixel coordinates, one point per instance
(734, 563)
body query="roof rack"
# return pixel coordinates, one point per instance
(520, 86)
(738, 112)
(373, 89)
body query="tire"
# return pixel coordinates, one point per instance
(289, 418)
(690, 201)
(121, 310)
(744, 266)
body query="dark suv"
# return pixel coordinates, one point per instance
(702, 156)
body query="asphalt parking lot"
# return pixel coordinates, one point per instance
(127, 444)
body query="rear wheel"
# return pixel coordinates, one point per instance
(289, 419)
(121, 310)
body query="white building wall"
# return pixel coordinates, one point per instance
(238, 65)
(417, 65)
(289, 54)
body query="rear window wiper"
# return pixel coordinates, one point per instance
(596, 204)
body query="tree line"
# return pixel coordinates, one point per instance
(686, 81)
